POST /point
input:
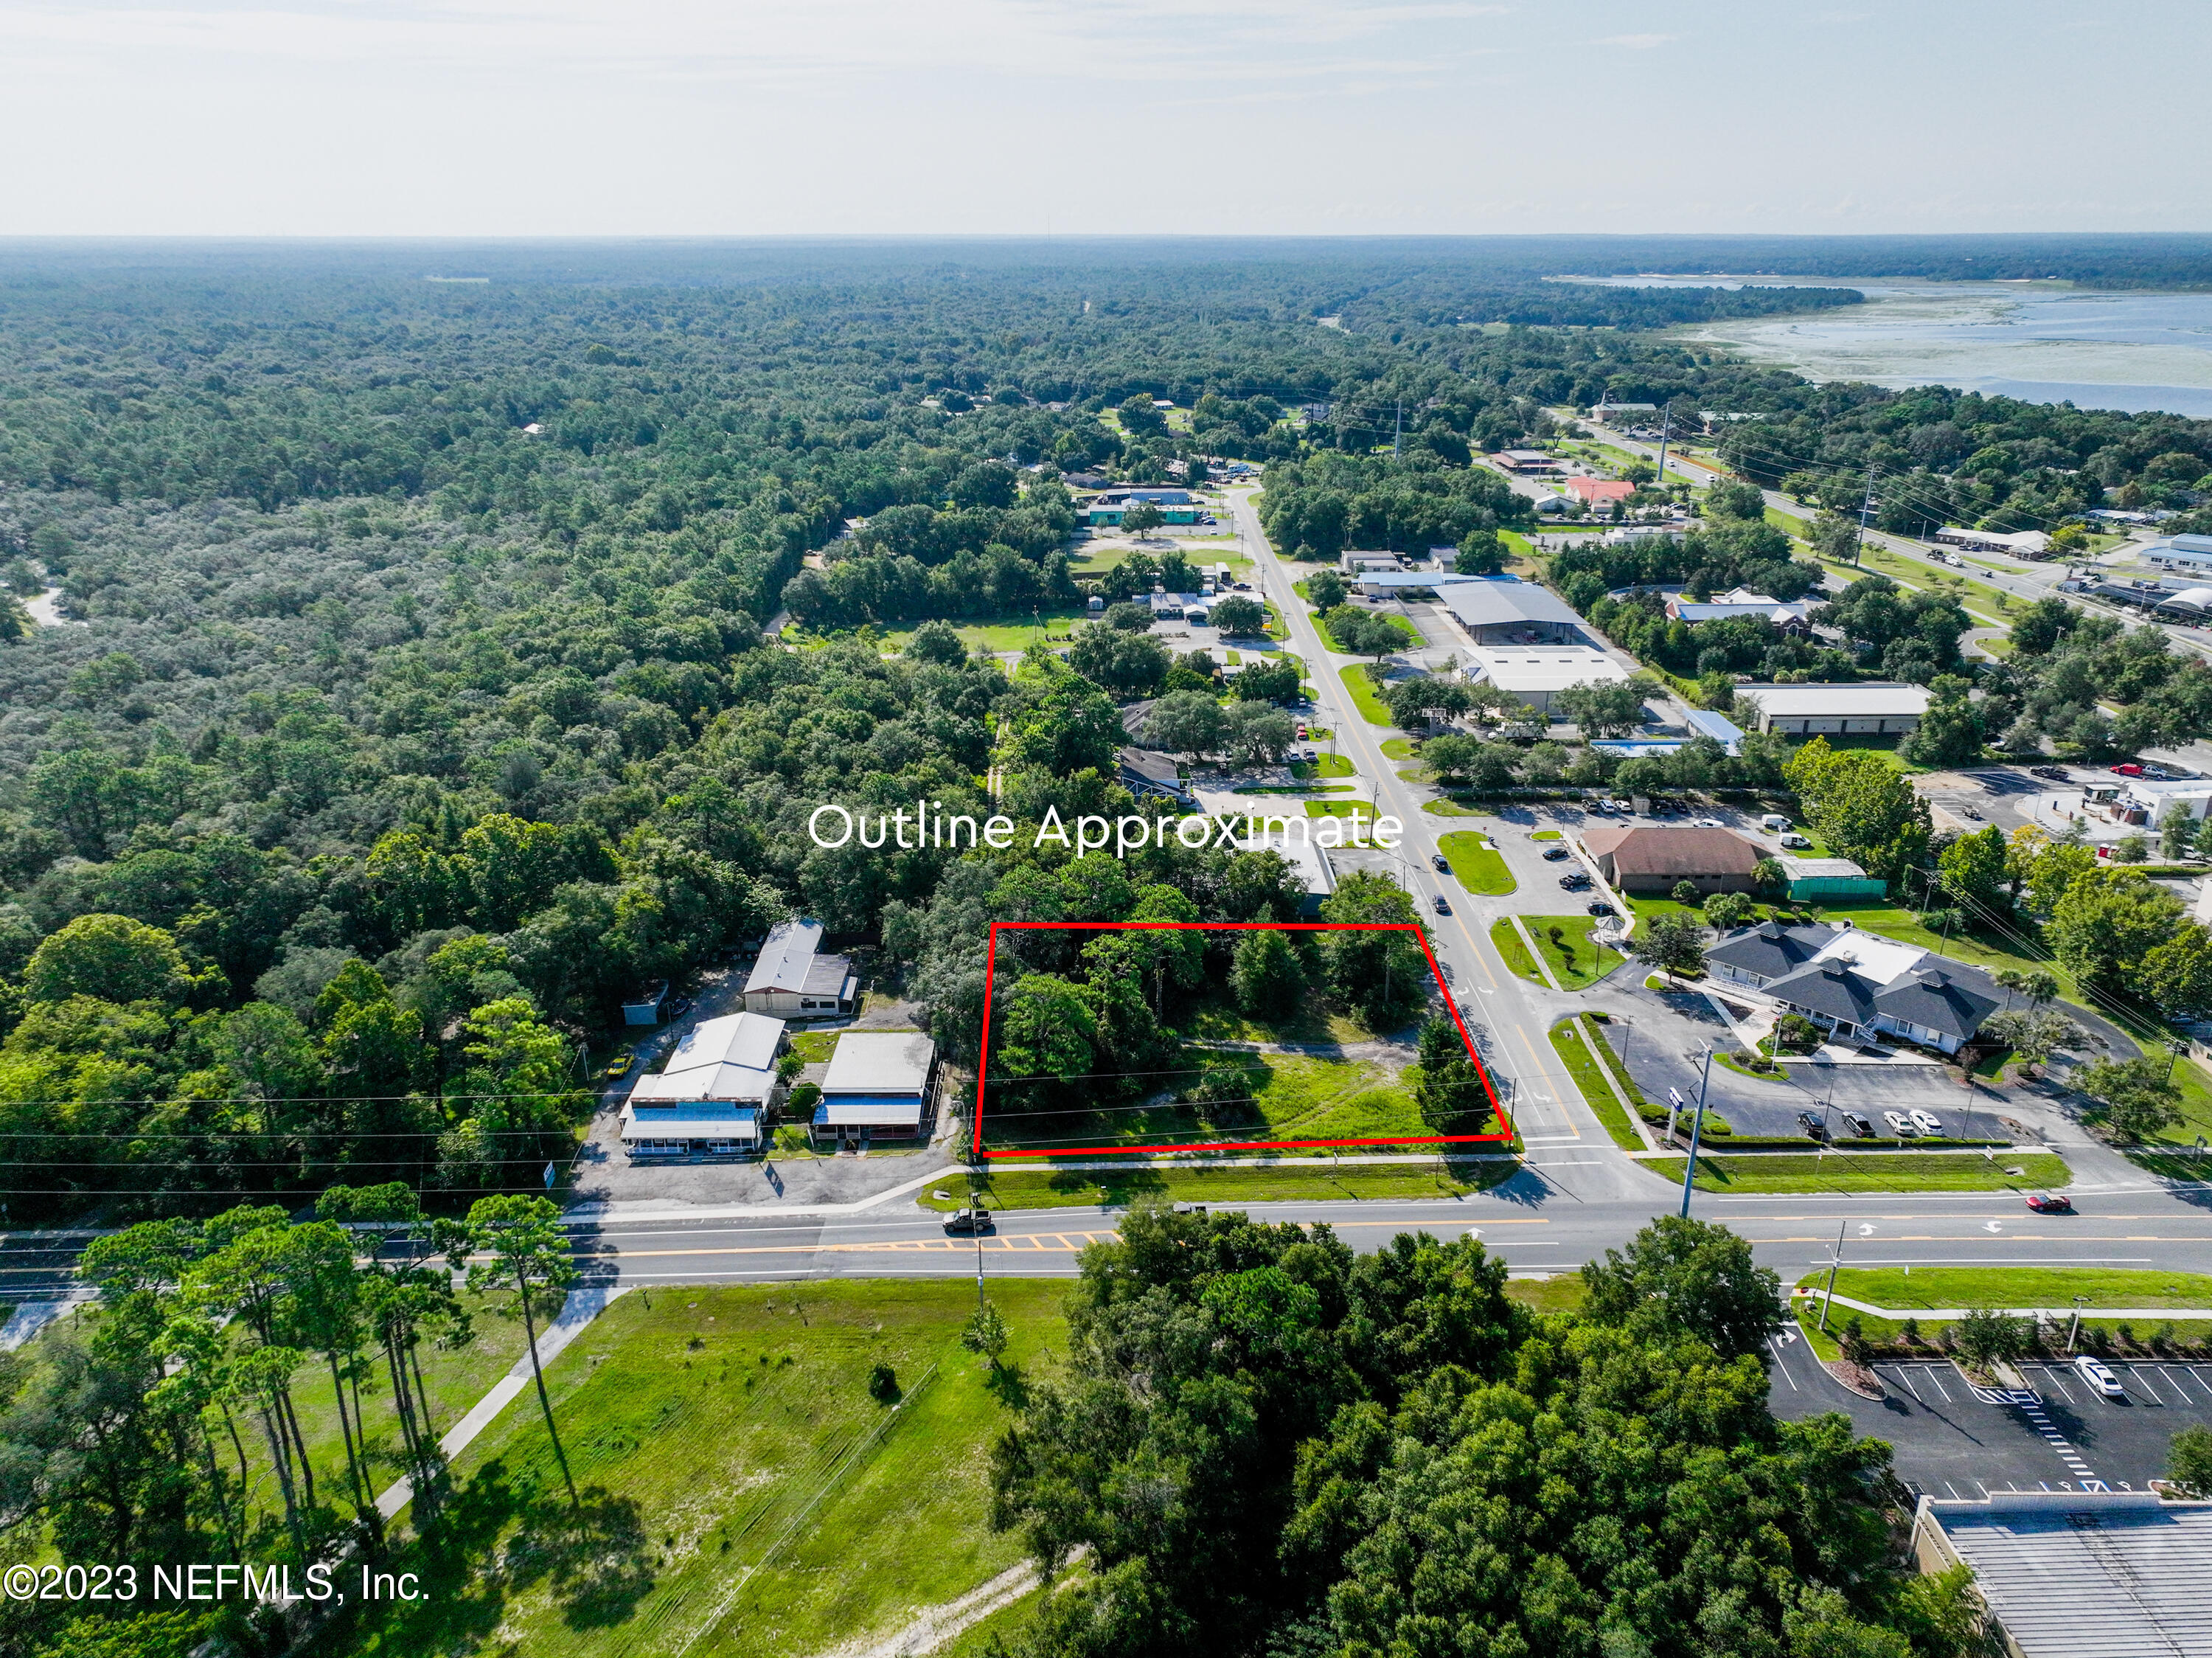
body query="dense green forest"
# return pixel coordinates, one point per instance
(409, 696)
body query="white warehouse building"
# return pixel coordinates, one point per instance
(1536, 674)
(1808, 710)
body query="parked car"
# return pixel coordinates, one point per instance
(1927, 1122)
(2130, 770)
(1600, 908)
(1599, 809)
(1774, 822)
(2099, 1376)
(1440, 864)
(968, 1222)
(1442, 908)
(1796, 842)
(1708, 823)
(1625, 807)
(1860, 1124)
(619, 1066)
(1811, 1123)
(1900, 1123)
(1575, 882)
(2049, 1203)
(2054, 773)
(1554, 854)
(1302, 733)
(1308, 756)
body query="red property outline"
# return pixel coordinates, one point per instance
(983, 1059)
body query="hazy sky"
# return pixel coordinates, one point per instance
(736, 116)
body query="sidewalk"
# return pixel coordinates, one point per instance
(2046, 1312)
(576, 1313)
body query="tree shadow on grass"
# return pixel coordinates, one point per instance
(498, 1536)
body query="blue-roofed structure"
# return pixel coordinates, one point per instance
(1704, 723)
(1410, 578)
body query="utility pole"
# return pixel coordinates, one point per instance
(979, 1264)
(1866, 510)
(1697, 1133)
(1834, 1261)
(2077, 1329)
(1399, 431)
(1666, 426)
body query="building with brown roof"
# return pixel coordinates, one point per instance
(1656, 858)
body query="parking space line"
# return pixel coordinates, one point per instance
(1935, 1380)
(2136, 1371)
(1906, 1377)
(2058, 1381)
(2181, 1386)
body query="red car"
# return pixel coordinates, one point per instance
(2129, 771)
(2049, 1203)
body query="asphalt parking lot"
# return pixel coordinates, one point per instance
(1954, 1440)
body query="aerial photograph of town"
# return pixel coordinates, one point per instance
(1104, 829)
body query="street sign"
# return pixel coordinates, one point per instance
(549, 1177)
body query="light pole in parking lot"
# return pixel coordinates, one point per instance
(2075, 1331)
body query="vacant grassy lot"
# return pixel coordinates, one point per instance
(1478, 865)
(456, 1379)
(1306, 1178)
(1280, 1097)
(1841, 1171)
(1408, 633)
(731, 1452)
(1322, 765)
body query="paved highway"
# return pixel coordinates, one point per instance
(1546, 1106)
(1549, 1218)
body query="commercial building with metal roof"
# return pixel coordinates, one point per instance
(708, 1100)
(2080, 1574)
(1704, 723)
(1810, 710)
(879, 1084)
(1829, 878)
(1537, 674)
(1505, 610)
(791, 978)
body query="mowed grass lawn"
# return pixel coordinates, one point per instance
(1407, 632)
(1305, 1179)
(744, 1493)
(1570, 1042)
(1574, 960)
(1362, 691)
(1843, 1171)
(1478, 865)
(2020, 1286)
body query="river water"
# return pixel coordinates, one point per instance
(2043, 342)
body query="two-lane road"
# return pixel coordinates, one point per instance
(1516, 1015)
